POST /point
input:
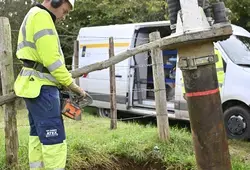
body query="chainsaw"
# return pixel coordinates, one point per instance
(72, 104)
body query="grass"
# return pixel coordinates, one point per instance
(91, 144)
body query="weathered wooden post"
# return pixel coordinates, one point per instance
(113, 110)
(7, 75)
(197, 62)
(160, 89)
(76, 58)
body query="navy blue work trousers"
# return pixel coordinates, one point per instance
(45, 116)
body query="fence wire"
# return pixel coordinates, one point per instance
(73, 122)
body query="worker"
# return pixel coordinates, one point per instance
(219, 70)
(43, 74)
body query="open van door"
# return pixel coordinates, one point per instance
(93, 48)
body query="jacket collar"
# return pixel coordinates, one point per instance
(51, 14)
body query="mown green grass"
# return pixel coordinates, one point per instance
(92, 143)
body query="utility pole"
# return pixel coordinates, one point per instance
(197, 62)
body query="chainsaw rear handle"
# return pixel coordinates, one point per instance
(86, 100)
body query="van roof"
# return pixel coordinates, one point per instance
(236, 29)
(240, 31)
(137, 25)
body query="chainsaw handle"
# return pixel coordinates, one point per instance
(88, 97)
(86, 100)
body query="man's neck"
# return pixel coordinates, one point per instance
(45, 7)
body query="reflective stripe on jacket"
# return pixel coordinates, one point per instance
(38, 41)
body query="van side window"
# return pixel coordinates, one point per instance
(224, 65)
(83, 51)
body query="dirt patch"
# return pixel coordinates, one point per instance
(126, 164)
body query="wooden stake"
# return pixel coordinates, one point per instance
(7, 75)
(76, 59)
(160, 89)
(113, 110)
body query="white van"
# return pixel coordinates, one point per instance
(134, 78)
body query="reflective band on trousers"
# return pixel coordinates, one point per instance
(36, 165)
(55, 65)
(38, 74)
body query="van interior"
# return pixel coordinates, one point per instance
(143, 90)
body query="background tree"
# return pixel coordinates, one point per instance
(240, 12)
(105, 12)
(15, 10)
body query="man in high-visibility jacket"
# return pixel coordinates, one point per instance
(219, 70)
(43, 74)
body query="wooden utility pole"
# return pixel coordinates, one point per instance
(76, 58)
(113, 110)
(197, 62)
(160, 89)
(7, 75)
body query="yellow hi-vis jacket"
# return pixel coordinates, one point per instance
(219, 70)
(38, 41)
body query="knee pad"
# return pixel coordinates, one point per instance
(51, 131)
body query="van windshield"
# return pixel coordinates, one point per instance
(238, 49)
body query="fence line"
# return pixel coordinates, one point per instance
(170, 42)
(118, 119)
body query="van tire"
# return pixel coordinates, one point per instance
(237, 122)
(102, 112)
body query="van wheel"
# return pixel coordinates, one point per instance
(104, 112)
(237, 122)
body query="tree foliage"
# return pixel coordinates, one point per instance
(240, 12)
(105, 12)
(15, 10)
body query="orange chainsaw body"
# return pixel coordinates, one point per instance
(71, 110)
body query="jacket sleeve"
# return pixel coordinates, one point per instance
(48, 48)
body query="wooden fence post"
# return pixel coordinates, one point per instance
(160, 89)
(7, 75)
(76, 58)
(113, 110)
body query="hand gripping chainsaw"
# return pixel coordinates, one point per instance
(73, 104)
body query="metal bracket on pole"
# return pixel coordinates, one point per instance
(191, 63)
